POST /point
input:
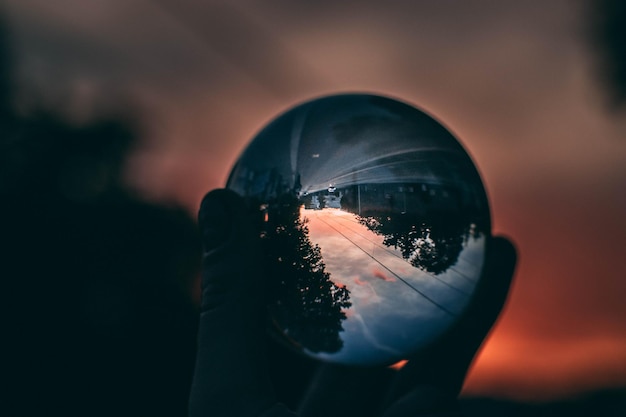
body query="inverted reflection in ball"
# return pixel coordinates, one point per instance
(374, 222)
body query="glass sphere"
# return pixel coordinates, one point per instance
(374, 222)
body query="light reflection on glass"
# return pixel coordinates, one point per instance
(374, 222)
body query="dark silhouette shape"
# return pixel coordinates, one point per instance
(608, 33)
(304, 302)
(97, 316)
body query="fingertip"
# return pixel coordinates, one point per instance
(503, 253)
(218, 212)
(219, 201)
(496, 279)
(504, 242)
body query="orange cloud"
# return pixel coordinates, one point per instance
(359, 281)
(380, 275)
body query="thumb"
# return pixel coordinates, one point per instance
(231, 376)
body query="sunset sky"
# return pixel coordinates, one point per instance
(515, 81)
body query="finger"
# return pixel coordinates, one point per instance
(230, 250)
(487, 302)
(231, 376)
(218, 211)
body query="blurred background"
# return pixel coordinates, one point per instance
(534, 90)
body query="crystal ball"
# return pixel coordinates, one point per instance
(374, 222)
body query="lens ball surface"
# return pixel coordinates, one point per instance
(374, 223)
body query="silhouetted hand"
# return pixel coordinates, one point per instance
(233, 375)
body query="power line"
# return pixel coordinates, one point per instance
(396, 275)
(395, 254)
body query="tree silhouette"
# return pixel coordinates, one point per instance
(437, 248)
(304, 302)
(432, 243)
